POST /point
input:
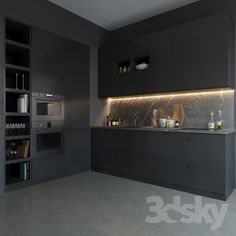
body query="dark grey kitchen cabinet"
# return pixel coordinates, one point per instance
(156, 48)
(61, 66)
(197, 147)
(76, 150)
(48, 167)
(197, 163)
(111, 151)
(196, 55)
(203, 54)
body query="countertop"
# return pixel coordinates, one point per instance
(170, 130)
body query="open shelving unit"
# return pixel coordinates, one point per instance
(17, 104)
(129, 65)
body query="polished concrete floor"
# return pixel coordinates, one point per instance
(93, 204)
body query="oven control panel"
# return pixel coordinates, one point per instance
(47, 124)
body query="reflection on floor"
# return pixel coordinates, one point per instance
(93, 204)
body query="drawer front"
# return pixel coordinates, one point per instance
(110, 140)
(47, 167)
(118, 162)
(197, 147)
(202, 176)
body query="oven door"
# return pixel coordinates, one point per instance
(46, 142)
(47, 109)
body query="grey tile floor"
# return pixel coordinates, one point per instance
(93, 204)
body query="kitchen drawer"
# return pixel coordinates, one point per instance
(112, 140)
(197, 147)
(203, 176)
(196, 175)
(47, 167)
(116, 162)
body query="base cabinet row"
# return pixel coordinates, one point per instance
(150, 157)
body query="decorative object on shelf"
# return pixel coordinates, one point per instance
(211, 123)
(23, 149)
(178, 114)
(162, 122)
(141, 66)
(17, 81)
(170, 123)
(108, 120)
(219, 121)
(155, 117)
(16, 129)
(23, 82)
(176, 124)
(24, 171)
(23, 103)
(12, 151)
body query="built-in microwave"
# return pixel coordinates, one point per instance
(47, 138)
(47, 107)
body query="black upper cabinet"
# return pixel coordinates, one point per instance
(153, 49)
(196, 55)
(61, 66)
(203, 54)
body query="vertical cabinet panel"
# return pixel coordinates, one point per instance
(202, 53)
(77, 150)
(2, 125)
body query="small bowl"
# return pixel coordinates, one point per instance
(141, 66)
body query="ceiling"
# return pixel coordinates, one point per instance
(113, 14)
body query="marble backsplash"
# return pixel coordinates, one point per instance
(197, 108)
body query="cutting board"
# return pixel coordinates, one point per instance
(178, 114)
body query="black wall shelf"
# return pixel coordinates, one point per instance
(17, 83)
(18, 32)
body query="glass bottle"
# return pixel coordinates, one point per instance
(219, 120)
(211, 124)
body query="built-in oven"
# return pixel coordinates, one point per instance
(47, 138)
(47, 107)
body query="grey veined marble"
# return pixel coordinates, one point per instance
(197, 108)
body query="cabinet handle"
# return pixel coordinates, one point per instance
(191, 166)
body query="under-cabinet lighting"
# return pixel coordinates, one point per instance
(172, 95)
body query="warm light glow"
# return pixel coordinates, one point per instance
(192, 93)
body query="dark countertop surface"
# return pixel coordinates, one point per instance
(170, 130)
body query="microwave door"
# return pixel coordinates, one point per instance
(45, 110)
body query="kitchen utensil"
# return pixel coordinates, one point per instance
(178, 114)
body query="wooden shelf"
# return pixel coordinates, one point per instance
(19, 160)
(16, 114)
(11, 90)
(17, 44)
(17, 137)
(17, 67)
